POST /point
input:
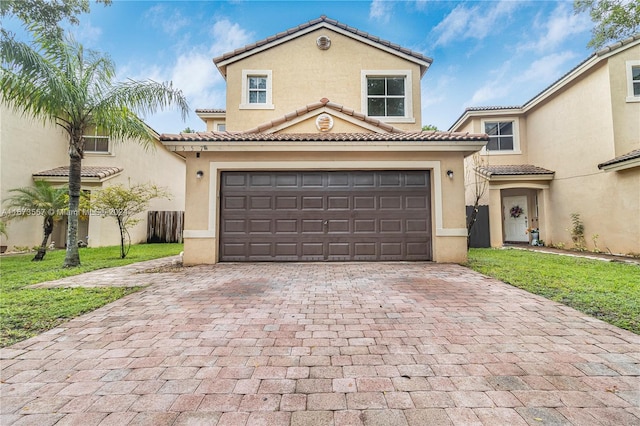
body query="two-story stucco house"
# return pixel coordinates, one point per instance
(573, 148)
(319, 156)
(31, 150)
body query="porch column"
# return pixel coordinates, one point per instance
(495, 217)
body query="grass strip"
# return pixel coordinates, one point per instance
(26, 312)
(609, 291)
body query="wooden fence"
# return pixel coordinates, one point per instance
(165, 226)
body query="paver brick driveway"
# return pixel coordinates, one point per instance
(324, 344)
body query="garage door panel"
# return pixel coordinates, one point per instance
(338, 202)
(390, 203)
(309, 203)
(286, 203)
(311, 216)
(416, 202)
(364, 225)
(286, 226)
(235, 203)
(260, 203)
(260, 179)
(364, 203)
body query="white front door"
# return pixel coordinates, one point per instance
(515, 228)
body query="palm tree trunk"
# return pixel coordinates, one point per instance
(48, 229)
(72, 257)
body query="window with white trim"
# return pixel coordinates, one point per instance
(501, 135)
(633, 81)
(387, 94)
(256, 89)
(96, 141)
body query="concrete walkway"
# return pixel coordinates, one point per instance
(323, 344)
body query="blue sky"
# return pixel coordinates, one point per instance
(485, 52)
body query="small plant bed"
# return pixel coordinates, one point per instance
(609, 291)
(26, 312)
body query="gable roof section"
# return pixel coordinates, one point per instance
(324, 105)
(550, 90)
(322, 22)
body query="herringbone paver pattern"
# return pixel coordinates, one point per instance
(324, 344)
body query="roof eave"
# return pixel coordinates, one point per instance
(467, 147)
(519, 177)
(84, 179)
(469, 114)
(621, 165)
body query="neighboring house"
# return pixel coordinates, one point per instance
(31, 150)
(322, 157)
(573, 148)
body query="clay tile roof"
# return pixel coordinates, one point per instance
(99, 172)
(211, 110)
(628, 156)
(333, 22)
(431, 136)
(513, 170)
(491, 108)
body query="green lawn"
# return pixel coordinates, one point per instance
(609, 291)
(26, 312)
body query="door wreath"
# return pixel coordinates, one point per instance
(516, 211)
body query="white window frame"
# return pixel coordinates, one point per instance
(516, 136)
(244, 100)
(408, 93)
(221, 127)
(630, 96)
(95, 135)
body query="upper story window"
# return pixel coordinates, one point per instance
(387, 94)
(96, 141)
(502, 136)
(256, 89)
(221, 127)
(633, 81)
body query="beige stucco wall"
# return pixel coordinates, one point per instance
(626, 115)
(201, 222)
(303, 74)
(154, 165)
(28, 146)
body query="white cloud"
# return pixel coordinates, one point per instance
(193, 72)
(475, 22)
(380, 10)
(548, 68)
(509, 84)
(228, 36)
(169, 21)
(557, 28)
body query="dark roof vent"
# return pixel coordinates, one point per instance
(323, 42)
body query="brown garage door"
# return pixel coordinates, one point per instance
(319, 216)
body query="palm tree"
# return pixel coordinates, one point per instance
(41, 199)
(61, 82)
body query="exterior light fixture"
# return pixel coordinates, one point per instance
(199, 174)
(450, 174)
